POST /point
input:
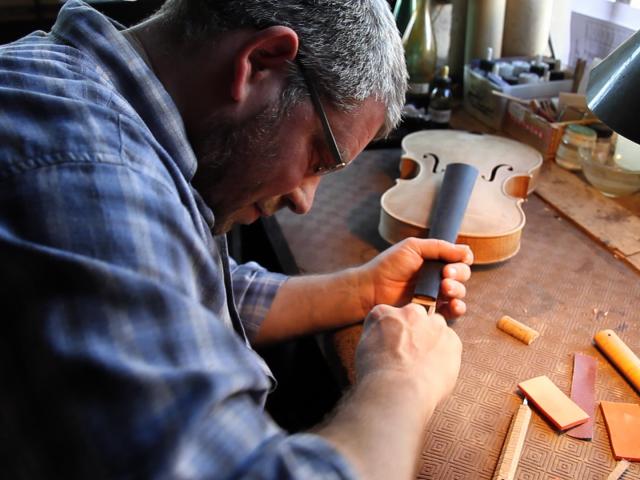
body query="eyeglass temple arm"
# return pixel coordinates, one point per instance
(315, 99)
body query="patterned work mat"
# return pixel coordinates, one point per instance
(561, 283)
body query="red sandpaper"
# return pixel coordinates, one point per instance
(583, 392)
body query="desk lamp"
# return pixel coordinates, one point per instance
(613, 91)
(613, 95)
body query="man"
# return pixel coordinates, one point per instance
(124, 158)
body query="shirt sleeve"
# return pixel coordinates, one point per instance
(115, 359)
(254, 289)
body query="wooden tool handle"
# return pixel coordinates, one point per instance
(620, 355)
(451, 203)
(513, 443)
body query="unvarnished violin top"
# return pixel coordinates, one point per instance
(508, 171)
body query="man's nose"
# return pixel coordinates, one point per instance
(300, 200)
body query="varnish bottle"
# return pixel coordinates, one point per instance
(440, 100)
(420, 54)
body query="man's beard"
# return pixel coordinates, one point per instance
(224, 154)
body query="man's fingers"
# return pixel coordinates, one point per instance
(453, 289)
(453, 308)
(457, 271)
(439, 249)
(419, 313)
(411, 313)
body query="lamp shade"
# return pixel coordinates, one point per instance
(613, 91)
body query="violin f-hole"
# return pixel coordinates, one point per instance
(435, 164)
(409, 166)
(494, 172)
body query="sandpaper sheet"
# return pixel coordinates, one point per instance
(623, 426)
(552, 402)
(561, 283)
(583, 392)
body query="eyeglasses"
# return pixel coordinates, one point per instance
(339, 163)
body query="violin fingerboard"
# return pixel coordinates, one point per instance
(451, 204)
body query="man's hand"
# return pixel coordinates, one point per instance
(406, 363)
(325, 302)
(390, 277)
(408, 343)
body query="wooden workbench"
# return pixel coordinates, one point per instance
(566, 282)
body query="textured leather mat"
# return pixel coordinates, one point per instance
(561, 283)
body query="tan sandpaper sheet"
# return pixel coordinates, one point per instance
(561, 283)
(552, 402)
(623, 425)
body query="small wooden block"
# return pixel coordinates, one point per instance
(583, 392)
(513, 443)
(517, 330)
(553, 403)
(623, 425)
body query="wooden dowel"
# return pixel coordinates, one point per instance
(517, 330)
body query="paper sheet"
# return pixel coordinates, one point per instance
(594, 38)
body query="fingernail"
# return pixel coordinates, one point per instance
(452, 271)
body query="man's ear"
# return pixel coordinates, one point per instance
(267, 52)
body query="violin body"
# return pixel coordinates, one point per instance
(494, 219)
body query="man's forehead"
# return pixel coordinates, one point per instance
(365, 122)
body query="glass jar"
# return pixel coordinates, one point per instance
(610, 178)
(575, 138)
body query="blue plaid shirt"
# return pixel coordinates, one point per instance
(122, 353)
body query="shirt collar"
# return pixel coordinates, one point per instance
(98, 36)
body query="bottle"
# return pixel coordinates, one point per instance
(539, 66)
(487, 63)
(440, 100)
(420, 54)
(603, 151)
(402, 13)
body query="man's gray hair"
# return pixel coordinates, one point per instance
(351, 48)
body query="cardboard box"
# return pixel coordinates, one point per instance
(490, 109)
(522, 124)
